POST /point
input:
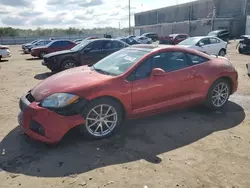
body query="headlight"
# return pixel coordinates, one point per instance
(59, 100)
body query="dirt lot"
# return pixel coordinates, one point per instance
(185, 148)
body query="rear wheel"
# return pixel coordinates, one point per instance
(67, 64)
(222, 52)
(42, 54)
(103, 117)
(218, 94)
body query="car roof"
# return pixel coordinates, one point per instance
(157, 47)
(203, 37)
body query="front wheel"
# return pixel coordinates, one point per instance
(67, 64)
(102, 118)
(42, 54)
(222, 52)
(218, 94)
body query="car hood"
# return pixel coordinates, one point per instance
(27, 44)
(70, 81)
(59, 53)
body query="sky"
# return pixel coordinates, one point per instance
(74, 13)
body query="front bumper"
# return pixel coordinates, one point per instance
(43, 124)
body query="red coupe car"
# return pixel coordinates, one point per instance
(54, 46)
(137, 81)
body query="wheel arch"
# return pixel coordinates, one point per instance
(114, 99)
(226, 78)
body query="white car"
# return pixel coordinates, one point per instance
(143, 40)
(4, 52)
(207, 44)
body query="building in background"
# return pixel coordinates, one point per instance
(195, 18)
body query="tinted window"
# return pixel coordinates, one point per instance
(107, 45)
(116, 44)
(214, 40)
(56, 44)
(205, 41)
(170, 61)
(195, 59)
(66, 43)
(180, 37)
(143, 70)
(96, 45)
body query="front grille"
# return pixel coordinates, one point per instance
(30, 98)
(37, 127)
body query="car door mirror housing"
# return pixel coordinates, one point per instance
(157, 72)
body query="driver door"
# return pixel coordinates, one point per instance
(204, 45)
(151, 94)
(92, 53)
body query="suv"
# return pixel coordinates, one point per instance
(222, 34)
(153, 36)
(86, 53)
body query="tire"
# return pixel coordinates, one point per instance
(95, 124)
(222, 52)
(222, 86)
(42, 54)
(67, 64)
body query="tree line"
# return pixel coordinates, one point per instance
(11, 32)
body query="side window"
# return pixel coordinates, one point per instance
(116, 44)
(170, 61)
(97, 45)
(142, 71)
(214, 41)
(205, 41)
(56, 44)
(107, 45)
(195, 59)
(181, 37)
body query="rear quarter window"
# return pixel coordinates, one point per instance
(195, 59)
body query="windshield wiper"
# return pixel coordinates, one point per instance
(101, 71)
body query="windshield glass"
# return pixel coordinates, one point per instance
(119, 62)
(33, 42)
(81, 45)
(190, 41)
(213, 33)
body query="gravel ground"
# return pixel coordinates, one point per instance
(185, 148)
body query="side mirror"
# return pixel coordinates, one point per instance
(157, 72)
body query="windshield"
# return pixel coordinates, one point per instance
(81, 45)
(213, 33)
(33, 42)
(119, 62)
(190, 41)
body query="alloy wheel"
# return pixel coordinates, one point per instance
(69, 64)
(101, 120)
(220, 94)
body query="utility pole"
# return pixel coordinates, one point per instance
(119, 29)
(213, 18)
(129, 17)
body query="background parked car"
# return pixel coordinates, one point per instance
(177, 38)
(143, 40)
(206, 44)
(4, 52)
(26, 44)
(222, 34)
(244, 44)
(27, 48)
(151, 35)
(85, 53)
(54, 46)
